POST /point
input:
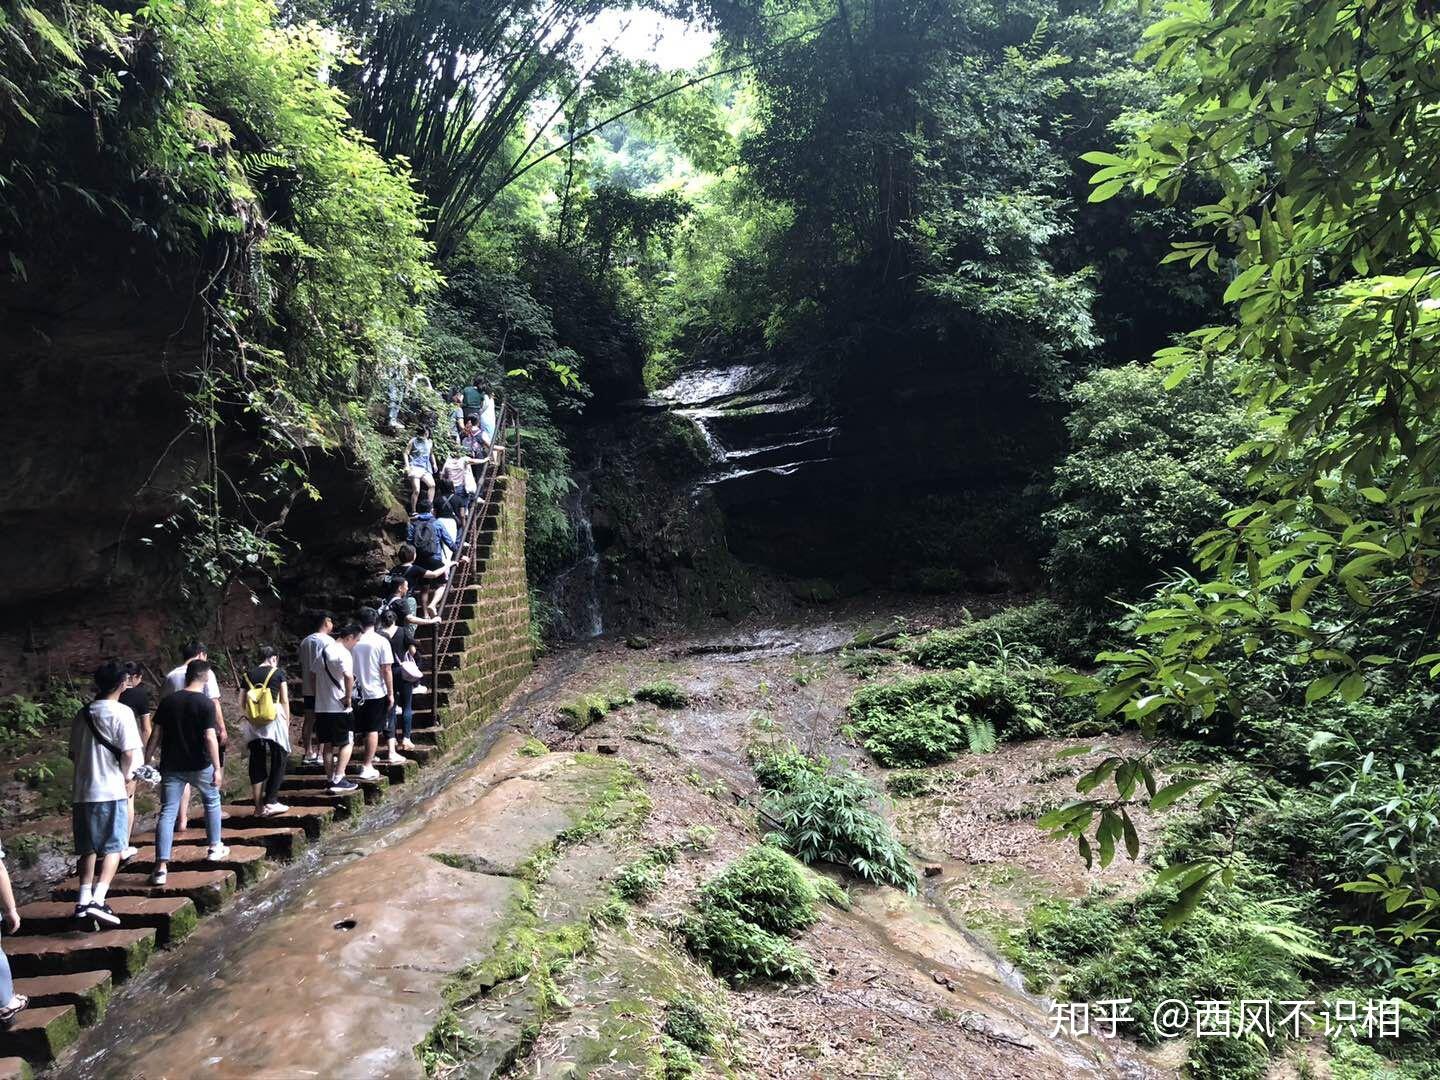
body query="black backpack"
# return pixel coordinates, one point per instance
(426, 537)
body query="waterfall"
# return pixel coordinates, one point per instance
(576, 591)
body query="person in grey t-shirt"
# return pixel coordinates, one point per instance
(105, 746)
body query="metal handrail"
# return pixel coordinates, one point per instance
(506, 420)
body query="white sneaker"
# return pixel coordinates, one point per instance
(217, 853)
(312, 759)
(129, 853)
(368, 772)
(271, 809)
(421, 690)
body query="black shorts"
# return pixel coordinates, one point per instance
(307, 704)
(370, 716)
(333, 729)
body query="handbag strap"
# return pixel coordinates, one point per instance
(95, 731)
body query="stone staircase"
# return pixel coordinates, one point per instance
(69, 969)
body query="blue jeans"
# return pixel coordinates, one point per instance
(171, 785)
(404, 707)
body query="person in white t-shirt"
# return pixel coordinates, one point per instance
(374, 689)
(334, 688)
(173, 684)
(310, 649)
(106, 749)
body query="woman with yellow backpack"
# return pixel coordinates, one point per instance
(265, 704)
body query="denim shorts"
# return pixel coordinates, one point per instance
(100, 828)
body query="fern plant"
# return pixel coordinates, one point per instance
(829, 817)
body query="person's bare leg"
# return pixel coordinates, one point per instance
(342, 759)
(182, 822)
(372, 743)
(85, 870)
(258, 791)
(307, 733)
(108, 866)
(414, 492)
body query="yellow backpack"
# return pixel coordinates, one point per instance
(260, 703)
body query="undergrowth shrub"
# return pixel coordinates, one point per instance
(664, 694)
(587, 709)
(741, 952)
(744, 915)
(829, 817)
(765, 887)
(641, 879)
(930, 718)
(1104, 949)
(689, 1025)
(782, 766)
(1027, 633)
(909, 785)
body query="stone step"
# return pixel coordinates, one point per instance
(15, 1068)
(208, 888)
(280, 842)
(310, 790)
(87, 991)
(121, 952)
(171, 917)
(313, 819)
(394, 774)
(41, 1034)
(430, 734)
(344, 804)
(247, 861)
(422, 755)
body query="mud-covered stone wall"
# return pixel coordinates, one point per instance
(497, 653)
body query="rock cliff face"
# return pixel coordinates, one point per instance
(906, 476)
(98, 449)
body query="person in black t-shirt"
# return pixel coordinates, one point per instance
(139, 699)
(186, 734)
(421, 580)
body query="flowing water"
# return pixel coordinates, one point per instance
(753, 422)
(576, 590)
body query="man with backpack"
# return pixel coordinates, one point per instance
(265, 704)
(106, 749)
(334, 689)
(187, 736)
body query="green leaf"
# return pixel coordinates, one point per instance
(1167, 795)
(1101, 157)
(1132, 838)
(1189, 899)
(1321, 688)
(1353, 686)
(1107, 190)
